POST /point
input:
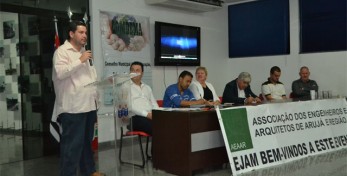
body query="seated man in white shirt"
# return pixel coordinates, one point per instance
(142, 100)
(273, 89)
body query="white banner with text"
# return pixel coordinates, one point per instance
(271, 134)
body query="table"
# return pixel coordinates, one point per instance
(184, 141)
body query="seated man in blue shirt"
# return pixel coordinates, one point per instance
(178, 95)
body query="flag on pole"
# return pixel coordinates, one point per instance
(55, 127)
(56, 38)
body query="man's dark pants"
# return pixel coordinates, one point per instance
(76, 143)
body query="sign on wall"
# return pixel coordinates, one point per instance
(124, 39)
(271, 134)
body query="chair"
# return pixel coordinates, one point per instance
(160, 103)
(220, 99)
(139, 134)
(261, 97)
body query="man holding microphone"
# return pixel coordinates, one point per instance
(75, 105)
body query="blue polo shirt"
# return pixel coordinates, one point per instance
(173, 97)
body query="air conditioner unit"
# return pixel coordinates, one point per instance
(190, 5)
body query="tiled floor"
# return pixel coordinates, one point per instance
(329, 164)
(11, 148)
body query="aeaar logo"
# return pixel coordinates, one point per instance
(236, 128)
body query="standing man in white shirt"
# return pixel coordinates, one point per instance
(142, 100)
(75, 105)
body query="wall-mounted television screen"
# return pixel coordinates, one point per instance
(176, 45)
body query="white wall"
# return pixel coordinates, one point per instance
(328, 69)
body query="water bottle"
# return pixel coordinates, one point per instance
(126, 112)
(120, 114)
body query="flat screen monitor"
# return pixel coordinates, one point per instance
(176, 45)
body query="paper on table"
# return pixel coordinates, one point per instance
(178, 109)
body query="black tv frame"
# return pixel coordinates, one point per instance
(158, 61)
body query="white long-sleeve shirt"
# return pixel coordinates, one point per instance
(198, 91)
(70, 76)
(142, 99)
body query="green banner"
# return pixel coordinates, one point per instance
(236, 128)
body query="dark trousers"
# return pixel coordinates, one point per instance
(76, 143)
(140, 123)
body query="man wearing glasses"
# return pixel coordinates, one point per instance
(239, 91)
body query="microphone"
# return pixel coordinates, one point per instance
(91, 62)
(86, 47)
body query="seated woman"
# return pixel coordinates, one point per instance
(202, 89)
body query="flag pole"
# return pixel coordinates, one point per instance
(56, 37)
(69, 13)
(55, 23)
(55, 127)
